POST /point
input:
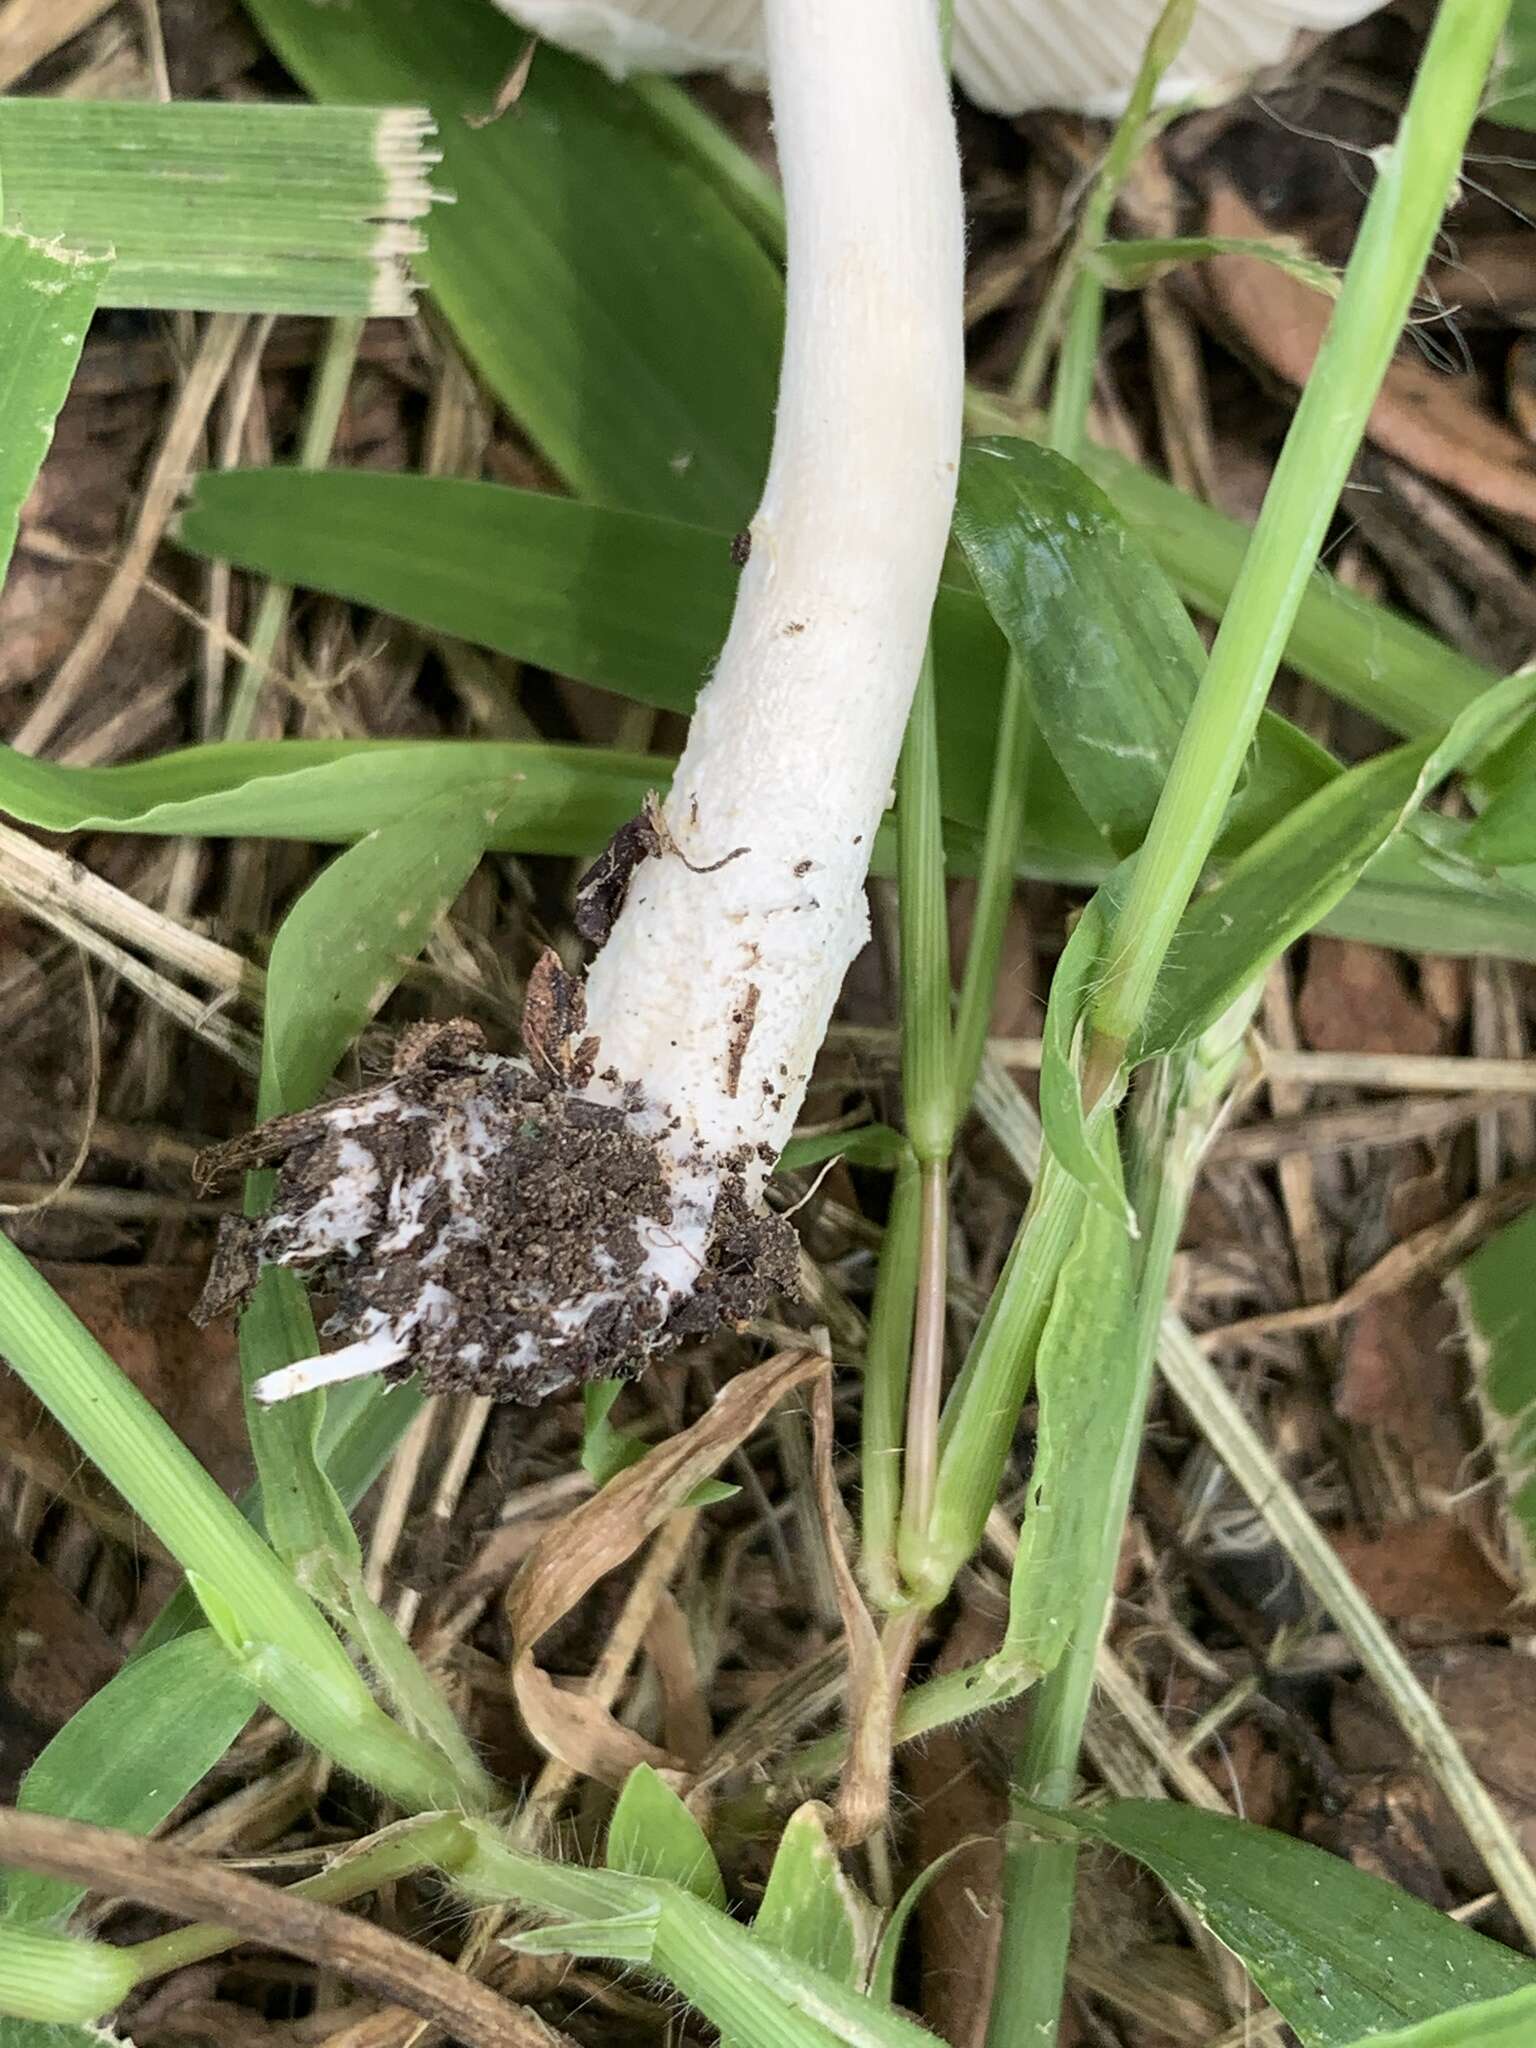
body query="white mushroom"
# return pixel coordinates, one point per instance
(1009, 55)
(616, 1204)
(709, 1001)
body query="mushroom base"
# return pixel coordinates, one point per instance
(497, 1230)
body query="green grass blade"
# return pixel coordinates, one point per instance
(1084, 1372)
(1284, 882)
(1498, 1320)
(642, 362)
(1505, 834)
(1338, 1952)
(276, 1634)
(1075, 1138)
(986, 1398)
(47, 297)
(1415, 176)
(1508, 2022)
(53, 1977)
(1127, 264)
(131, 1753)
(925, 990)
(234, 206)
(887, 1365)
(558, 799)
(652, 1834)
(757, 1995)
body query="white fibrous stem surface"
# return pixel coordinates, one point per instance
(714, 990)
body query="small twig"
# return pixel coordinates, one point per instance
(189, 1886)
(1402, 1073)
(1432, 1249)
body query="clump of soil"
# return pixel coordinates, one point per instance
(490, 1226)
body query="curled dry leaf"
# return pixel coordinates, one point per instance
(598, 1536)
(1426, 418)
(684, 1709)
(864, 1793)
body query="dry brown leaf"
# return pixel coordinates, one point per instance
(1400, 1374)
(1354, 999)
(1432, 421)
(1428, 1570)
(864, 1793)
(598, 1536)
(685, 1715)
(1489, 1698)
(53, 1654)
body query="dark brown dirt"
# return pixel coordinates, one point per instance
(484, 1205)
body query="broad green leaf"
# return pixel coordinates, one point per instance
(607, 293)
(1498, 1320)
(1084, 1363)
(1508, 2022)
(810, 1909)
(629, 602)
(652, 1834)
(1339, 1953)
(1286, 881)
(131, 1754)
(343, 946)
(1110, 657)
(47, 296)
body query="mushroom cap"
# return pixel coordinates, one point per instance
(1009, 55)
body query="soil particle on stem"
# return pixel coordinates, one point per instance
(489, 1226)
